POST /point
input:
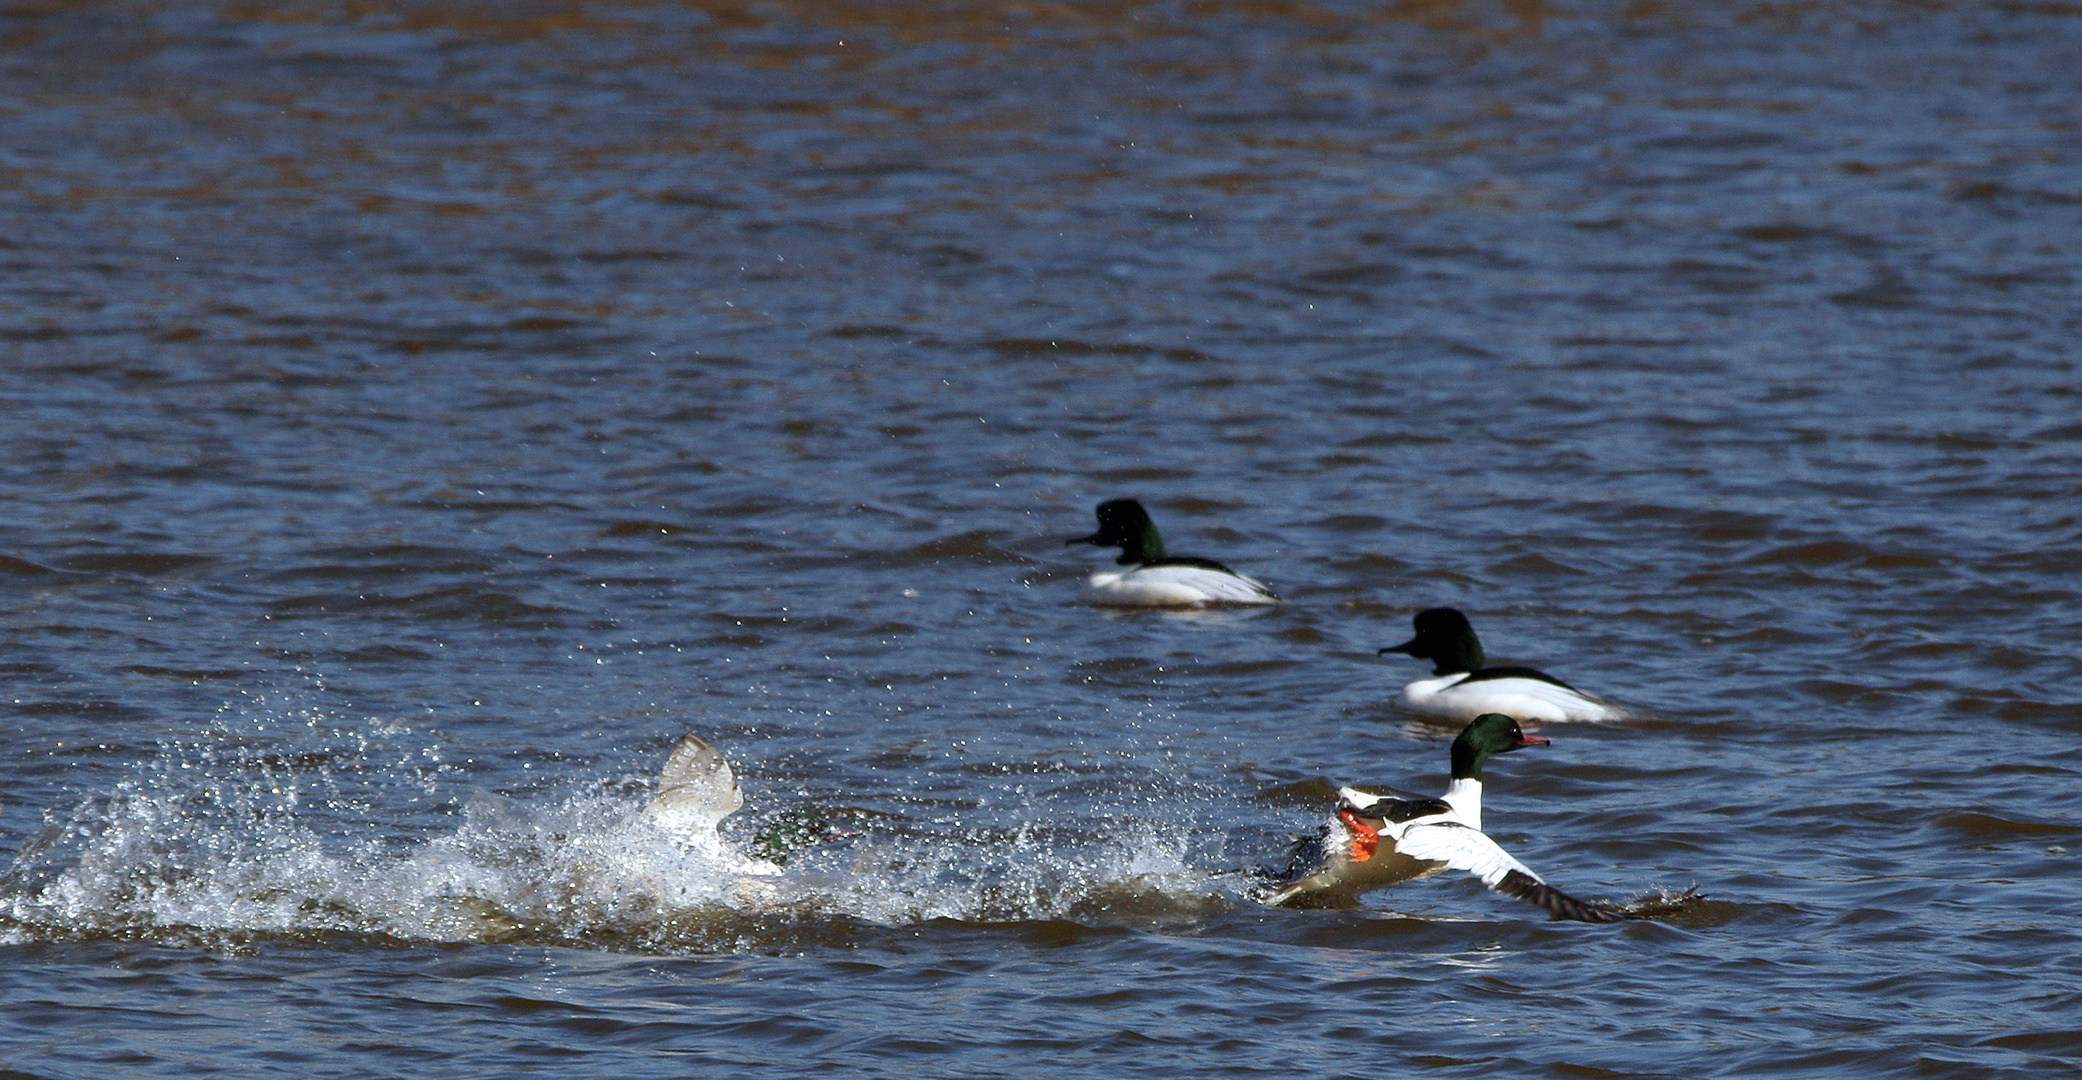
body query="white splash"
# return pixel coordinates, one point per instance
(255, 849)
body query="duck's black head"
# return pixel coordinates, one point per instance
(1124, 524)
(1489, 734)
(1445, 638)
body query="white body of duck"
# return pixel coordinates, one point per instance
(1154, 579)
(1463, 688)
(1376, 841)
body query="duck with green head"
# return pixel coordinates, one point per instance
(697, 790)
(1154, 578)
(1376, 840)
(1464, 686)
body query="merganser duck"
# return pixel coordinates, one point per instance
(1467, 689)
(1155, 579)
(697, 790)
(1378, 841)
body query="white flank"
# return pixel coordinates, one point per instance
(1173, 586)
(1521, 699)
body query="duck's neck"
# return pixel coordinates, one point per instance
(1464, 795)
(1143, 546)
(1462, 654)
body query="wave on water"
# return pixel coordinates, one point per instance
(248, 846)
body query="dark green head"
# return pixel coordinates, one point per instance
(1490, 733)
(1124, 524)
(1444, 638)
(792, 830)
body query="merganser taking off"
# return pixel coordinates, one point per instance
(1155, 579)
(1378, 841)
(1466, 689)
(697, 790)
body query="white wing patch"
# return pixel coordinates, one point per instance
(1442, 838)
(696, 791)
(1460, 848)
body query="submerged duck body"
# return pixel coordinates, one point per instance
(1377, 841)
(1153, 578)
(1463, 688)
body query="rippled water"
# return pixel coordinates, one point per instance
(418, 417)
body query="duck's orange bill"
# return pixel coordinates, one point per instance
(1365, 841)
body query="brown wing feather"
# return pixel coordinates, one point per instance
(1560, 904)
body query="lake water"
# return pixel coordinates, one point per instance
(417, 417)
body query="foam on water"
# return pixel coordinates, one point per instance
(560, 384)
(256, 843)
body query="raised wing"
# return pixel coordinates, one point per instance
(1462, 848)
(696, 790)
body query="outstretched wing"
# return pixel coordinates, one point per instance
(1462, 848)
(696, 790)
(1560, 904)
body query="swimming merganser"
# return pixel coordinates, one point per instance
(1378, 841)
(1154, 578)
(1466, 688)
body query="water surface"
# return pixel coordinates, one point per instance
(419, 417)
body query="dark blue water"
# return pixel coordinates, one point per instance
(417, 417)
